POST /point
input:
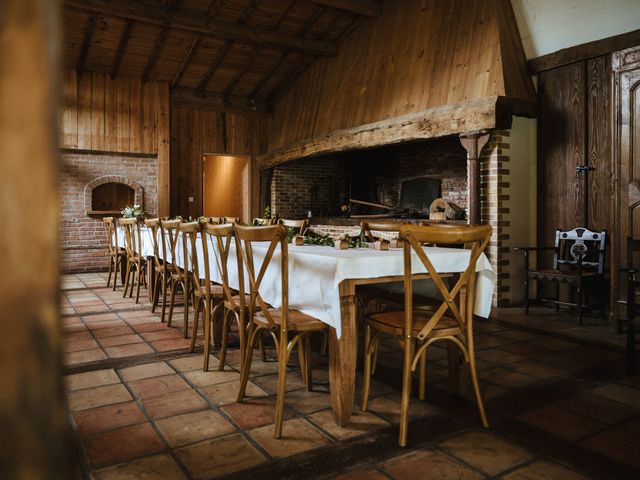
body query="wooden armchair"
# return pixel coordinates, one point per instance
(117, 255)
(578, 261)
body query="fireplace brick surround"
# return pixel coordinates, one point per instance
(83, 236)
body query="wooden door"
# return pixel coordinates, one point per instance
(225, 186)
(626, 65)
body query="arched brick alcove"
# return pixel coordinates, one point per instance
(89, 187)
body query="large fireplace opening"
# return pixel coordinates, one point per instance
(406, 178)
(111, 197)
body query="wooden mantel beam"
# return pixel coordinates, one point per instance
(201, 24)
(367, 8)
(480, 114)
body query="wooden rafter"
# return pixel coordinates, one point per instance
(215, 65)
(367, 8)
(214, 7)
(122, 45)
(86, 42)
(241, 71)
(155, 52)
(185, 61)
(199, 24)
(263, 81)
(256, 51)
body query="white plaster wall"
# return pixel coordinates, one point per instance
(547, 26)
(522, 199)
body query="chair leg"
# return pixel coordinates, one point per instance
(366, 375)
(155, 292)
(282, 382)
(302, 358)
(324, 344)
(225, 335)
(557, 305)
(164, 298)
(110, 267)
(579, 292)
(422, 374)
(207, 341)
(196, 318)
(185, 289)
(126, 279)
(246, 365)
(406, 391)
(263, 353)
(172, 301)
(476, 389)
(139, 276)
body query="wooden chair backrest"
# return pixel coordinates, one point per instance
(366, 229)
(477, 238)
(189, 233)
(222, 236)
(170, 234)
(155, 225)
(262, 222)
(132, 236)
(112, 237)
(580, 248)
(299, 226)
(234, 220)
(275, 235)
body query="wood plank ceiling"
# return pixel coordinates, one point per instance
(239, 54)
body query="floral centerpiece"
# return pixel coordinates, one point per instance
(132, 211)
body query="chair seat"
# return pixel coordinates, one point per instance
(392, 323)
(297, 321)
(236, 299)
(561, 275)
(201, 290)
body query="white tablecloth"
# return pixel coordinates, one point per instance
(315, 273)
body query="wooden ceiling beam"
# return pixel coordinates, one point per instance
(263, 81)
(187, 96)
(155, 52)
(200, 24)
(475, 115)
(367, 8)
(86, 43)
(215, 65)
(185, 61)
(240, 72)
(122, 45)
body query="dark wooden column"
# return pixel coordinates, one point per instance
(473, 143)
(34, 442)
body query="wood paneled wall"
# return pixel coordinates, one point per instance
(574, 128)
(417, 55)
(195, 132)
(122, 115)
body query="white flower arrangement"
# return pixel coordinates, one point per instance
(133, 211)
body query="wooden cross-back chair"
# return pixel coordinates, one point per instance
(299, 226)
(223, 236)
(418, 329)
(136, 263)
(578, 261)
(117, 255)
(163, 267)
(367, 228)
(279, 323)
(179, 276)
(205, 294)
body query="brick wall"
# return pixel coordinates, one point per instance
(314, 184)
(321, 184)
(83, 237)
(494, 191)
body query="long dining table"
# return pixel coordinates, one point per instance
(322, 283)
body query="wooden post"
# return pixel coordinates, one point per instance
(35, 442)
(473, 144)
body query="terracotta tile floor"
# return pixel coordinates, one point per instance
(142, 408)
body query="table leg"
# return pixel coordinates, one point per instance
(343, 357)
